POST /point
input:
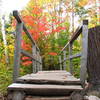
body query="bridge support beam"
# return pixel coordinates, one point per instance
(83, 71)
(17, 51)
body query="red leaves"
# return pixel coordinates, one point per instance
(25, 46)
(29, 20)
(27, 63)
(37, 10)
(59, 29)
(53, 53)
(41, 28)
(25, 58)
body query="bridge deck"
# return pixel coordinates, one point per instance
(50, 77)
(47, 83)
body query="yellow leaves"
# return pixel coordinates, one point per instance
(11, 47)
(38, 2)
(82, 3)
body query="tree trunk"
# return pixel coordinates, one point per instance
(93, 64)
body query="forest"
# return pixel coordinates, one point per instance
(51, 24)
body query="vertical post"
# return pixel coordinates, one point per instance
(33, 61)
(64, 58)
(60, 62)
(17, 51)
(84, 52)
(70, 60)
(40, 64)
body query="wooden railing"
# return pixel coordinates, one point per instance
(35, 56)
(83, 54)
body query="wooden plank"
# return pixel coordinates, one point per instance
(47, 98)
(40, 58)
(74, 37)
(17, 17)
(45, 90)
(19, 20)
(84, 52)
(75, 56)
(70, 60)
(33, 61)
(52, 77)
(17, 51)
(64, 57)
(72, 57)
(55, 71)
(60, 62)
(76, 34)
(65, 47)
(38, 64)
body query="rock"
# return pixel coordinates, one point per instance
(93, 98)
(76, 96)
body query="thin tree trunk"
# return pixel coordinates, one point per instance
(72, 16)
(4, 37)
(98, 11)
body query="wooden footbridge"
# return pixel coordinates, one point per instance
(49, 85)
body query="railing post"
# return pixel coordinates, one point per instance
(41, 63)
(17, 51)
(33, 61)
(64, 58)
(84, 52)
(70, 60)
(38, 59)
(60, 62)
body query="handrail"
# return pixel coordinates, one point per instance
(71, 57)
(74, 37)
(30, 56)
(35, 56)
(84, 30)
(19, 20)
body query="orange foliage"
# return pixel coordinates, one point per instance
(53, 53)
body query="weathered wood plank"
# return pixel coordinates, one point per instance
(84, 52)
(51, 77)
(40, 59)
(64, 57)
(38, 64)
(72, 57)
(75, 56)
(46, 90)
(48, 98)
(60, 62)
(17, 51)
(76, 34)
(19, 20)
(70, 60)
(16, 15)
(74, 37)
(34, 61)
